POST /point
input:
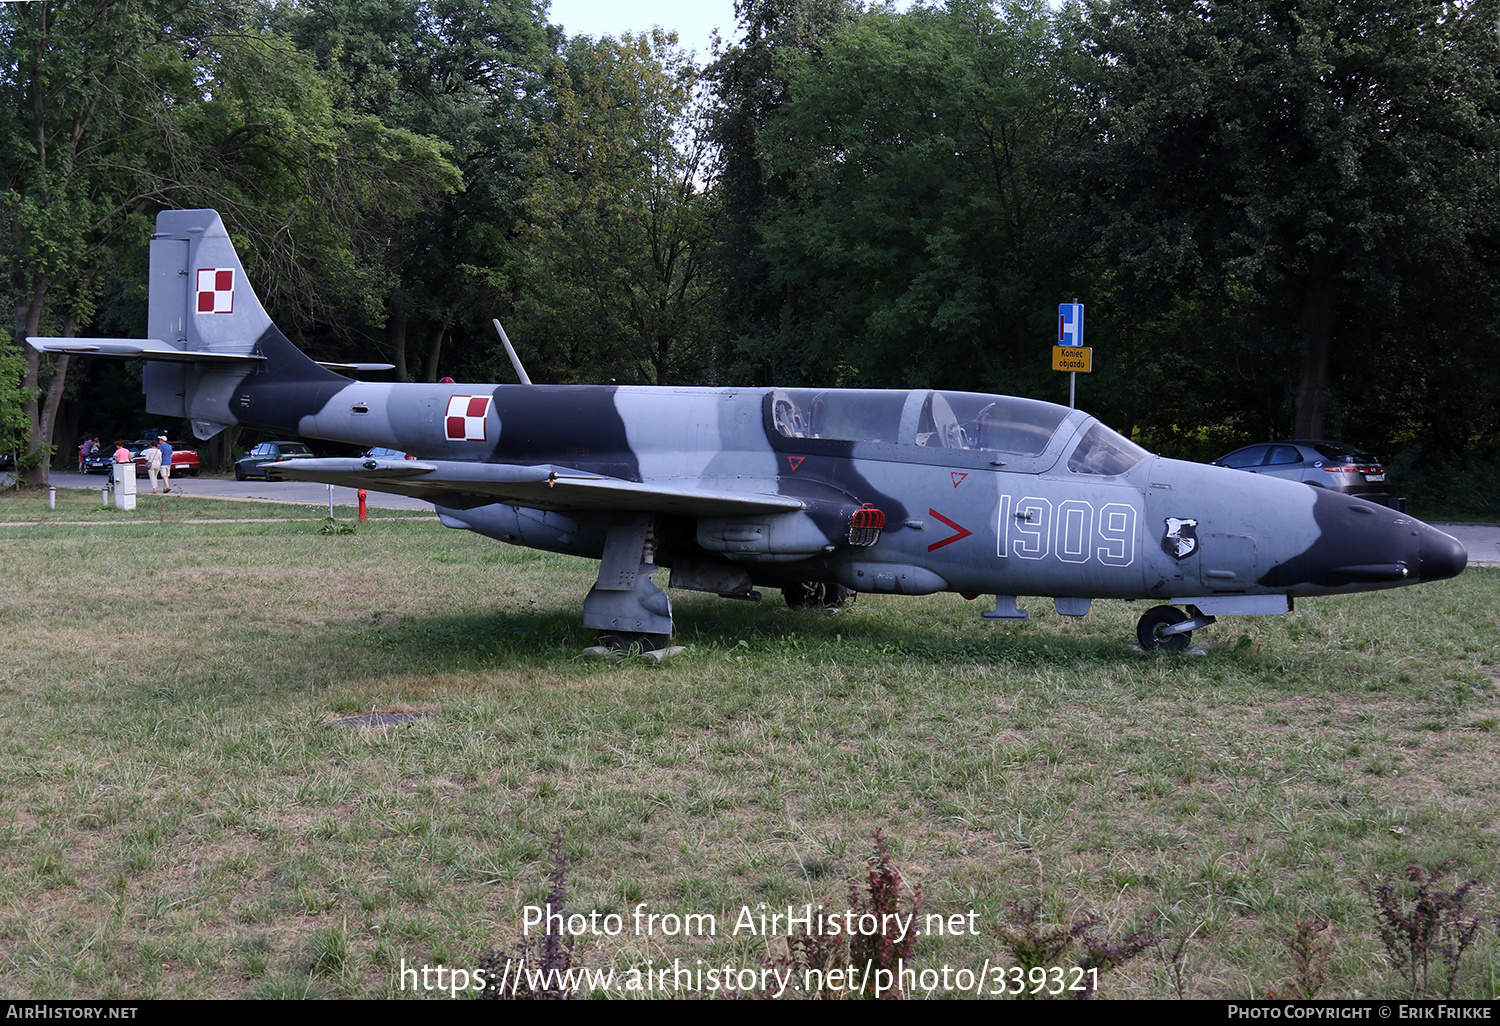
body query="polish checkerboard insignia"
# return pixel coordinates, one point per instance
(215, 287)
(466, 417)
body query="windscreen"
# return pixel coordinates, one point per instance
(932, 419)
(1105, 453)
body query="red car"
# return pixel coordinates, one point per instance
(184, 461)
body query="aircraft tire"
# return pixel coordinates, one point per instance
(625, 641)
(817, 595)
(1156, 618)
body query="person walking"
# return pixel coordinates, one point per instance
(152, 453)
(165, 449)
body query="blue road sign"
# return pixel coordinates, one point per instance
(1070, 324)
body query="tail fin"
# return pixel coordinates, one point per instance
(202, 304)
(213, 356)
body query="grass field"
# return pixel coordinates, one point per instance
(182, 813)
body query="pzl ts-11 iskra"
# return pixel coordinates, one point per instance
(810, 490)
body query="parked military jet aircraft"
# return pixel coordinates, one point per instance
(904, 492)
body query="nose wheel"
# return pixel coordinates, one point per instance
(1169, 629)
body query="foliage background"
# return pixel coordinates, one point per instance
(1281, 214)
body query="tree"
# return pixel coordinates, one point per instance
(617, 216)
(1297, 165)
(466, 72)
(750, 83)
(110, 111)
(919, 152)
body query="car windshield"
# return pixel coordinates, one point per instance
(295, 449)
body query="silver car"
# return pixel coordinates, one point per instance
(1334, 465)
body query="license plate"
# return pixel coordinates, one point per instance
(1374, 478)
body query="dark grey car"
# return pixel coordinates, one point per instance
(1334, 465)
(252, 464)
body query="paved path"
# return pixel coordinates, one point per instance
(1481, 541)
(307, 493)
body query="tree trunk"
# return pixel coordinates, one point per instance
(1317, 343)
(54, 398)
(29, 319)
(396, 334)
(222, 446)
(434, 352)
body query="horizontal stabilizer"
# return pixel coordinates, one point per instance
(355, 368)
(125, 348)
(463, 485)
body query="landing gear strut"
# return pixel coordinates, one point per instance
(1167, 628)
(624, 606)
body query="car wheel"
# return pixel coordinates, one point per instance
(1148, 630)
(239, 472)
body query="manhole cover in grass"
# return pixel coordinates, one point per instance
(385, 719)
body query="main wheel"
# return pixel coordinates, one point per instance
(626, 641)
(1148, 630)
(817, 595)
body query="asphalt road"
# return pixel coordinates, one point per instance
(1482, 541)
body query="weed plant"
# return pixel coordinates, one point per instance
(1427, 933)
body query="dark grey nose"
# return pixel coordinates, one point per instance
(1441, 556)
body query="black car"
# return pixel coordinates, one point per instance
(252, 465)
(1320, 464)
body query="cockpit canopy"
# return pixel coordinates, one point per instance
(964, 421)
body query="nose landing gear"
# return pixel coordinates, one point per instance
(1167, 628)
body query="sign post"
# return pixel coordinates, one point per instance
(1070, 354)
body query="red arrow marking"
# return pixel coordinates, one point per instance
(958, 478)
(963, 532)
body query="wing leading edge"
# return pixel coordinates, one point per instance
(457, 484)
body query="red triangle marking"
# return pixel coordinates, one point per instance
(958, 478)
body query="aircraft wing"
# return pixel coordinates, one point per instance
(464, 485)
(144, 348)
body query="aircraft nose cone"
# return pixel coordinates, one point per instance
(1441, 556)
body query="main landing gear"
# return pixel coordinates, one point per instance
(817, 595)
(627, 610)
(1168, 628)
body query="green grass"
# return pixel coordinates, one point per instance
(181, 816)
